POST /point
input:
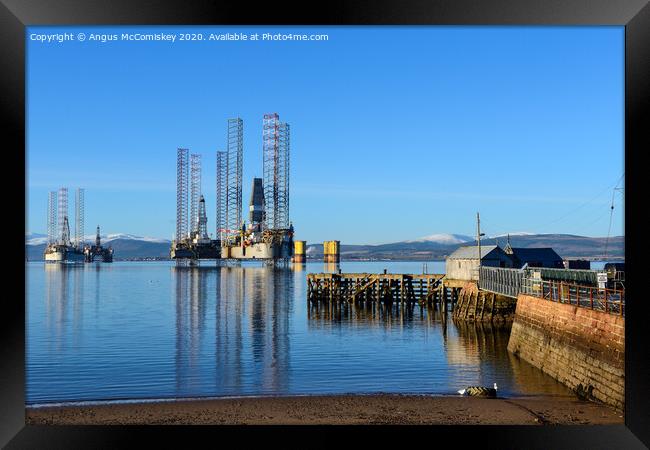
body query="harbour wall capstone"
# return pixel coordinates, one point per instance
(580, 347)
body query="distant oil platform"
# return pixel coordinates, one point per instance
(269, 233)
(61, 247)
(91, 252)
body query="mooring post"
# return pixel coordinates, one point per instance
(482, 307)
(443, 297)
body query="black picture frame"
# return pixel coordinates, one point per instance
(15, 15)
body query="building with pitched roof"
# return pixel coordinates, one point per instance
(463, 264)
(534, 257)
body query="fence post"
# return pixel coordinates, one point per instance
(591, 298)
(606, 304)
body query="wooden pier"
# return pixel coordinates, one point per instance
(385, 288)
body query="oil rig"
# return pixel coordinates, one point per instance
(60, 246)
(269, 233)
(97, 251)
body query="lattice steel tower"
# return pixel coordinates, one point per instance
(202, 220)
(79, 219)
(64, 228)
(222, 174)
(52, 218)
(181, 193)
(234, 175)
(275, 136)
(195, 192)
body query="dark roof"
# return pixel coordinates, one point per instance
(536, 254)
(471, 252)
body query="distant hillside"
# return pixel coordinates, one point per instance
(123, 249)
(567, 246)
(434, 247)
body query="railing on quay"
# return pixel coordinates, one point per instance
(502, 281)
(611, 301)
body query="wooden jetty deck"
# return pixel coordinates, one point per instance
(384, 288)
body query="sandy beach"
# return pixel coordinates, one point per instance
(335, 410)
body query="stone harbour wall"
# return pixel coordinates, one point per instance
(582, 348)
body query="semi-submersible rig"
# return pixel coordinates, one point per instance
(61, 246)
(268, 236)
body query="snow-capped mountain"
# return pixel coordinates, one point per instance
(125, 245)
(444, 238)
(439, 246)
(35, 238)
(515, 233)
(112, 237)
(38, 238)
(435, 246)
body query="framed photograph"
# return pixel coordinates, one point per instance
(406, 215)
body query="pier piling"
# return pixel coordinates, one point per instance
(385, 289)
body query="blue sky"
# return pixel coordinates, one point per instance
(396, 132)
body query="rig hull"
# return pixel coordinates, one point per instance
(61, 253)
(260, 250)
(191, 250)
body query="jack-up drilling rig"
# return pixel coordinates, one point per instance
(60, 247)
(269, 233)
(193, 244)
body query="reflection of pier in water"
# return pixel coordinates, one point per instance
(474, 351)
(251, 346)
(477, 343)
(371, 313)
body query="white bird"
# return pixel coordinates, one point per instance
(479, 391)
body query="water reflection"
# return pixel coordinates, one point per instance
(64, 286)
(478, 342)
(485, 347)
(229, 346)
(191, 294)
(475, 353)
(320, 314)
(331, 267)
(324, 314)
(251, 335)
(151, 330)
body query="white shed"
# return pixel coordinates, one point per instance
(463, 263)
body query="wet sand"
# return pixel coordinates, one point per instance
(336, 410)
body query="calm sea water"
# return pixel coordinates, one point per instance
(149, 330)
